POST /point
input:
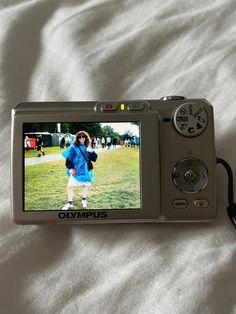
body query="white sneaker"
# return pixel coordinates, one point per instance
(84, 203)
(67, 206)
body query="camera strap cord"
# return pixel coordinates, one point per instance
(231, 209)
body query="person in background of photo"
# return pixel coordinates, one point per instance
(27, 143)
(114, 142)
(62, 142)
(108, 142)
(76, 157)
(94, 142)
(72, 138)
(39, 145)
(103, 142)
(126, 142)
(67, 140)
(132, 142)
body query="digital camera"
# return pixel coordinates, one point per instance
(113, 161)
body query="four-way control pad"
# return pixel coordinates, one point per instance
(190, 175)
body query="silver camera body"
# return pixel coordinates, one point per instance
(175, 179)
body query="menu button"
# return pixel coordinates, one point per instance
(180, 203)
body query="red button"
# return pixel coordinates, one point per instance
(201, 203)
(109, 107)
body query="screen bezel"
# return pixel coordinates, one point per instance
(149, 166)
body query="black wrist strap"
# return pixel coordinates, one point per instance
(231, 209)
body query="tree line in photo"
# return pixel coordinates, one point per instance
(99, 134)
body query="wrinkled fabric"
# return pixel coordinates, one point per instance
(96, 50)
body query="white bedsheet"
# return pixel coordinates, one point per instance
(94, 50)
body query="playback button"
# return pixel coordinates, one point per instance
(135, 106)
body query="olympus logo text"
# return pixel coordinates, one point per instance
(82, 215)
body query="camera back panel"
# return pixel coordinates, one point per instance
(176, 159)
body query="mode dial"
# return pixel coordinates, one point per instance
(190, 119)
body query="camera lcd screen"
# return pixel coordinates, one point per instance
(81, 165)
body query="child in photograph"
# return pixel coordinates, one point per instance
(77, 156)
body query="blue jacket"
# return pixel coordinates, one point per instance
(74, 154)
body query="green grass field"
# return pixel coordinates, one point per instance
(48, 151)
(116, 185)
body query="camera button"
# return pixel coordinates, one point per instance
(180, 203)
(191, 176)
(174, 97)
(201, 203)
(109, 107)
(135, 106)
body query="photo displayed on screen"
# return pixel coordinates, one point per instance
(80, 166)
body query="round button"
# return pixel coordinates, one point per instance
(190, 119)
(172, 97)
(190, 175)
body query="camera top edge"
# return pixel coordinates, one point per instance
(163, 101)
